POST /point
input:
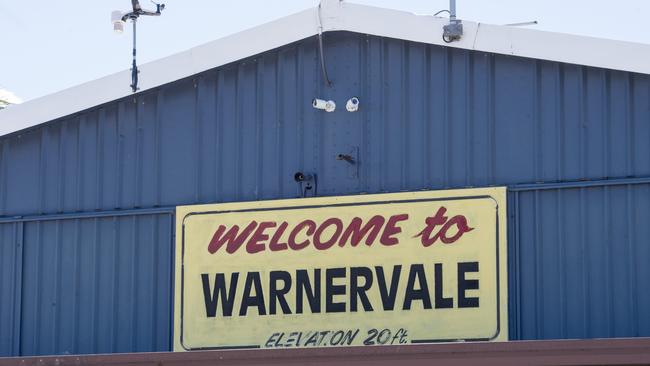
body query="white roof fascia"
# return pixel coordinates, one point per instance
(332, 15)
(163, 71)
(507, 40)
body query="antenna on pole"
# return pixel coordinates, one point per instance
(118, 19)
(522, 24)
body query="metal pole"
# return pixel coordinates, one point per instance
(134, 67)
(134, 38)
(452, 10)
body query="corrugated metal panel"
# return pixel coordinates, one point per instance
(431, 117)
(11, 248)
(97, 285)
(579, 262)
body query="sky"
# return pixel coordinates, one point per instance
(47, 46)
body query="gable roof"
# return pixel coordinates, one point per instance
(331, 15)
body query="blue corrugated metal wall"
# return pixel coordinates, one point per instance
(90, 284)
(579, 257)
(10, 280)
(431, 117)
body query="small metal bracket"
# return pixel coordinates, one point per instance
(352, 160)
(452, 31)
(346, 157)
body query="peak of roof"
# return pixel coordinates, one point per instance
(331, 15)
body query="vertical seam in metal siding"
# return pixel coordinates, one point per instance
(119, 156)
(537, 120)
(631, 268)
(299, 90)
(558, 121)
(160, 104)
(5, 178)
(171, 279)
(259, 125)
(114, 285)
(239, 135)
(43, 170)
(428, 119)
(99, 158)
(647, 119)
(316, 122)
(60, 198)
(132, 155)
(517, 223)
(539, 279)
(197, 140)
(279, 110)
(629, 120)
(608, 260)
(383, 154)
(513, 259)
(469, 88)
(561, 128)
(139, 163)
(585, 267)
(18, 288)
(77, 176)
(218, 105)
(583, 141)
(361, 89)
(80, 162)
(39, 288)
(446, 126)
(134, 284)
(75, 289)
(154, 284)
(405, 97)
(492, 118)
(56, 305)
(608, 123)
(95, 292)
(560, 215)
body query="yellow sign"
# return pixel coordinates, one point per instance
(342, 271)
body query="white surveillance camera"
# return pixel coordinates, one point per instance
(326, 105)
(116, 19)
(352, 105)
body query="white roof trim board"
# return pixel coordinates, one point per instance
(335, 15)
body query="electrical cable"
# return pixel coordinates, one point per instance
(320, 49)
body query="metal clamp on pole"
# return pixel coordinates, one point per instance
(454, 30)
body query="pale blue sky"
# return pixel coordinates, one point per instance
(47, 46)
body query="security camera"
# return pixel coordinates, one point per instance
(302, 177)
(326, 105)
(352, 105)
